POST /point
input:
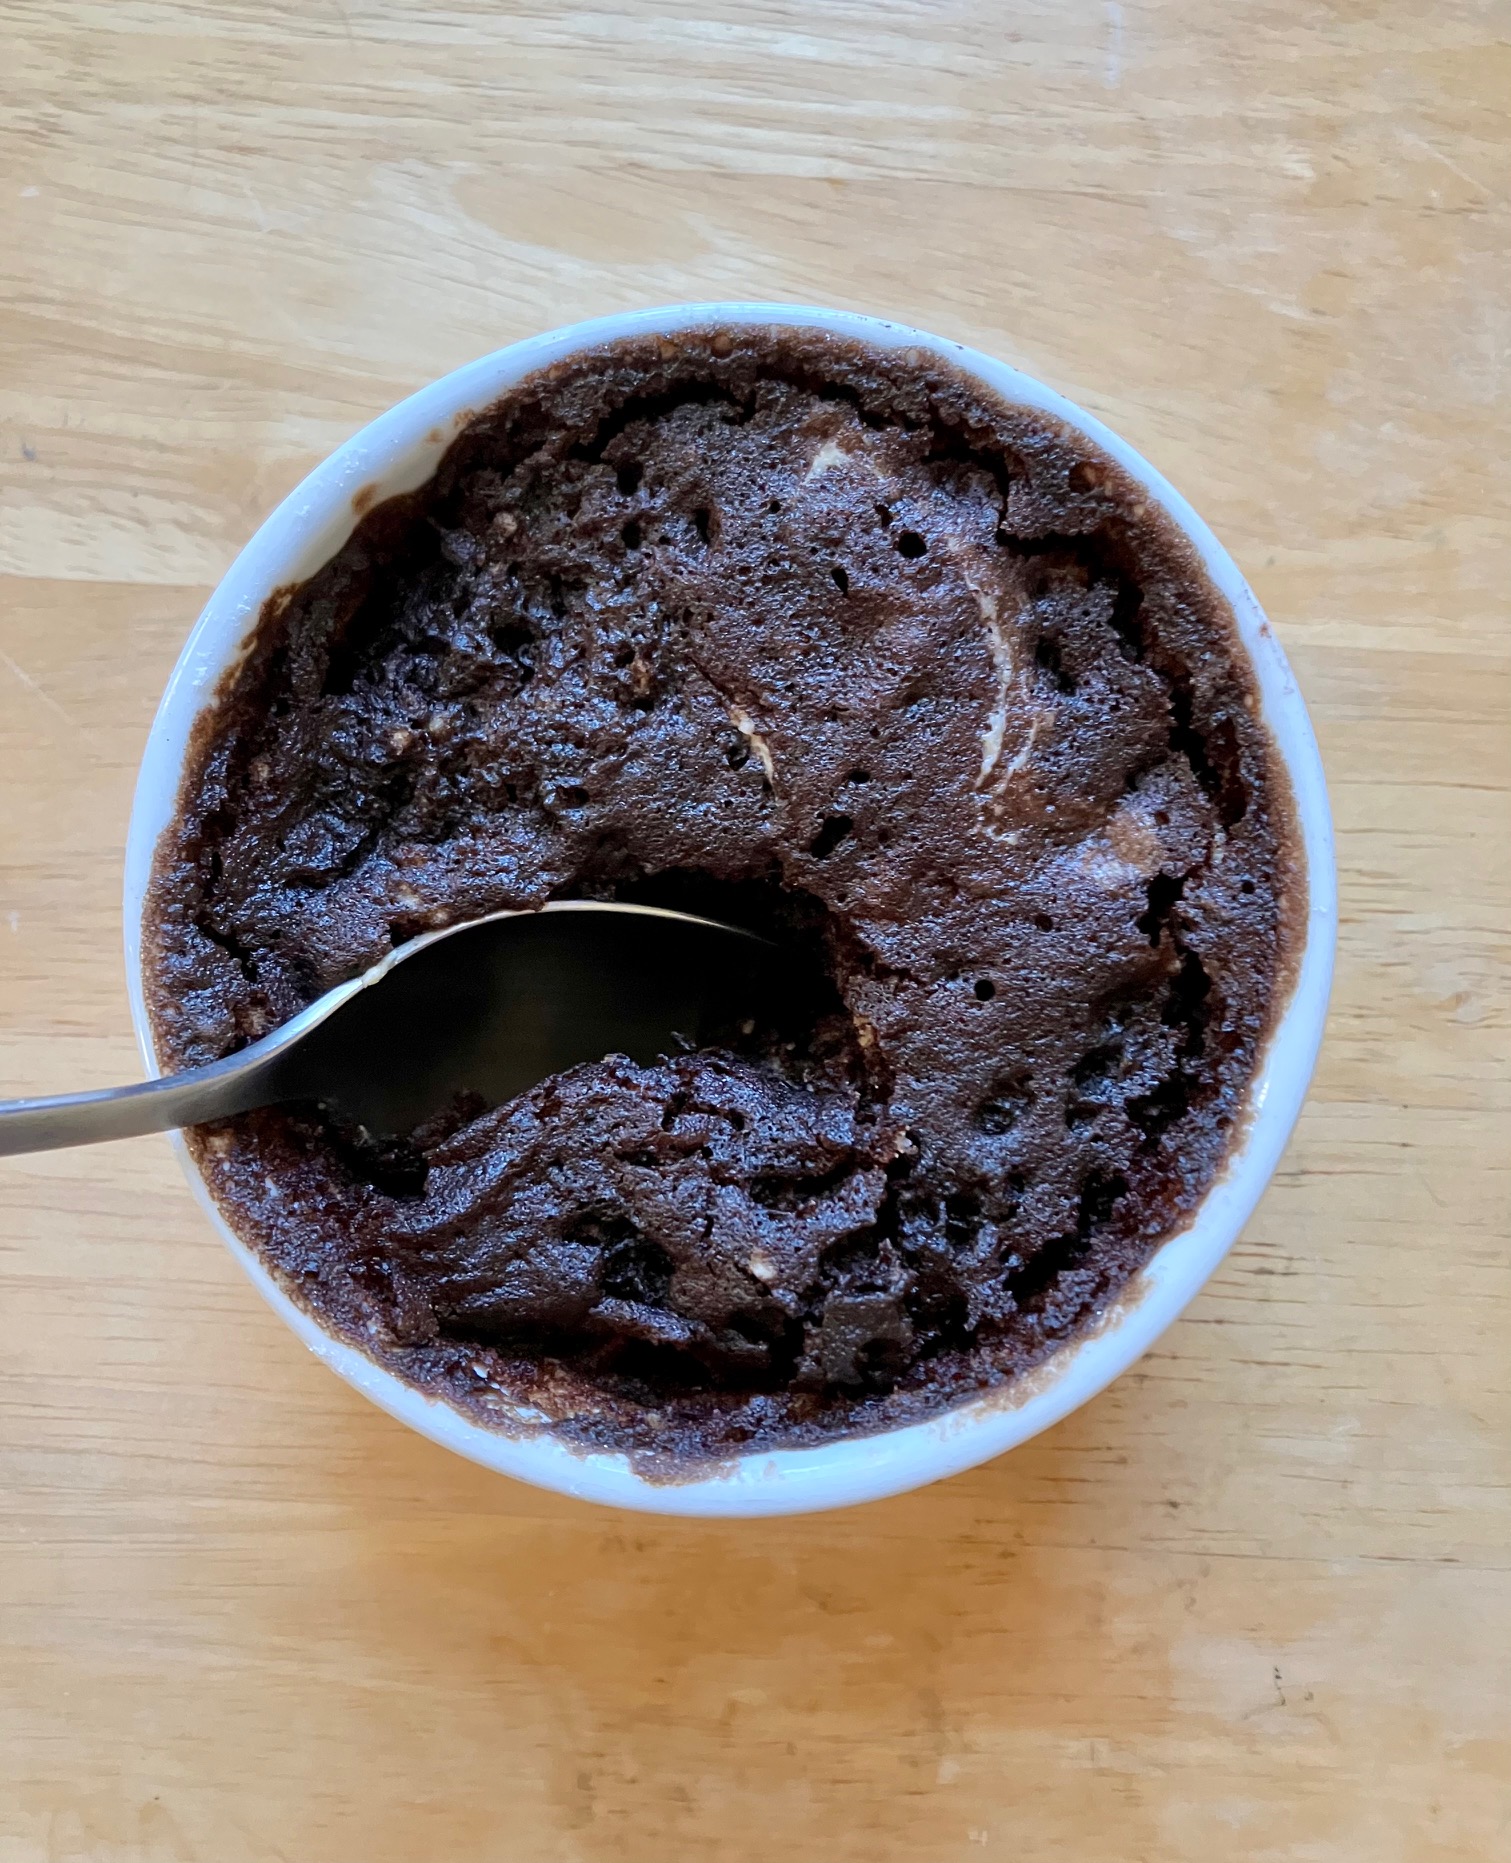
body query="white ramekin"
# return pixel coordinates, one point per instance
(398, 452)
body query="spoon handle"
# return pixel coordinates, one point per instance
(233, 1085)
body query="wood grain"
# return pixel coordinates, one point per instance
(1255, 1602)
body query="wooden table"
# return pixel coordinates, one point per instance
(1254, 1602)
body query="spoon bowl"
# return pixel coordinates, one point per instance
(494, 1007)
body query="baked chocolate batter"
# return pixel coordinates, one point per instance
(816, 638)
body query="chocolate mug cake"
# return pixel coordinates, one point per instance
(812, 637)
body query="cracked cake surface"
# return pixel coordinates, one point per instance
(812, 637)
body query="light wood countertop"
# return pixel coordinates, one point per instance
(1252, 1603)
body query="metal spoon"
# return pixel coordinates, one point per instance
(491, 1007)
